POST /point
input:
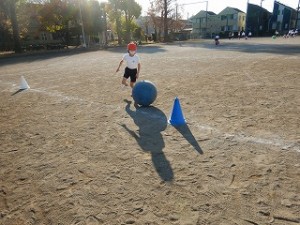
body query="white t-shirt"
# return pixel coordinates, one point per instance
(132, 61)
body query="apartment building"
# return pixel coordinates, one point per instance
(207, 24)
(284, 18)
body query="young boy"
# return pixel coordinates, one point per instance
(133, 67)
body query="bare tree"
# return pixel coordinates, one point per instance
(163, 8)
(153, 13)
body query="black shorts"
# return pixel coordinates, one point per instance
(130, 73)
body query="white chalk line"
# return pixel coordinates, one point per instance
(278, 142)
(241, 137)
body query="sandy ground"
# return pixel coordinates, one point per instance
(75, 151)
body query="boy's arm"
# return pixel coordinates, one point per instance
(119, 65)
(138, 70)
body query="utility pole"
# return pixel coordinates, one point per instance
(246, 16)
(105, 25)
(192, 3)
(206, 16)
(82, 26)
(176, 11)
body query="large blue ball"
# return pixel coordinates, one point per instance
(144, 93)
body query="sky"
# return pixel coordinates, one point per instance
(217, 5)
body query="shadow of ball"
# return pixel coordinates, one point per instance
(144, 93)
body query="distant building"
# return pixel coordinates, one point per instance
(207, 24)
(232, 20)
(146, 24)
(202, 24)
(283, 18)
(257, 20)
(298, 21)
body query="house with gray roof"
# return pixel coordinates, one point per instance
(207, 24)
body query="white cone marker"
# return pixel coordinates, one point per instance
(23, 84)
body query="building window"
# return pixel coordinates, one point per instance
(278, 26)
(43, 36)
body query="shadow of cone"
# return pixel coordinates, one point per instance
(176, 117)
(23, 84)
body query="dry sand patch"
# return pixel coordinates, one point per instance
(75, 150)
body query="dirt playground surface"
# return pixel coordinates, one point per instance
(75, 151)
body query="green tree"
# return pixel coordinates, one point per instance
(122, 13)
(9, 11)
(138, 33)
(55, 16)
(6, 39)
(131, 10)
(115, 14)
(92, 14)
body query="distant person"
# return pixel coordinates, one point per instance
(133, 67)
(250, 34)
(217, 42)
(243, 34)
(291, 33)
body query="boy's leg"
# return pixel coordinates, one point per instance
(133, 79)
(124, 81)
(132, 84)
(125, 77)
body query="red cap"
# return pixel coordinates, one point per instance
(131, 46)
